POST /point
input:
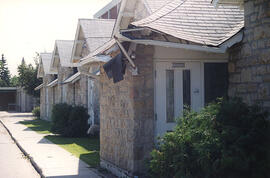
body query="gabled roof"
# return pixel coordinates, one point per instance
(95, 33)
(93, 28)
(64, 50)
(196, 21)
(45, 64)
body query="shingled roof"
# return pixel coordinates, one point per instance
(154, 5)
(64, 48)
(196, 21)
(46, 62)
(96, 31)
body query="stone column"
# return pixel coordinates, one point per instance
(249, 64)
(127, 117)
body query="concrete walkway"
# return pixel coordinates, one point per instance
(12, 161)
(52, 160)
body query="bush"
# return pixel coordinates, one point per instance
(77, 122)
(36, 112)
(227, 139)
(69, 121)
(60, 117)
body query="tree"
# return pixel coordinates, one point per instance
(4, 73)
(14, 81)
(28, 77)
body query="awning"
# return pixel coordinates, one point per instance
(72, 79)
(99, 54)
(53, 83)
(39, 87)
(96, 59)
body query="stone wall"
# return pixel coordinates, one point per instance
(42, 102)
(127, 117)
(43, 108)
(63, 74)
(249, 64)
(81, 91)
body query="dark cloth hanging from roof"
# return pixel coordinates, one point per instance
(115, 68)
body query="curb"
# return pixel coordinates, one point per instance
(34, 164)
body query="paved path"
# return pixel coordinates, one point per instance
(53, 160)
(13, 164)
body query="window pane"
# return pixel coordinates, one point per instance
(186, 88)
(170, 95)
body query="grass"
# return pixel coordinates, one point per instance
(87, 149)
(38, 125)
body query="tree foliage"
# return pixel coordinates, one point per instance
(228, 139)
(4, 73)
(14, 81)
(28, 77)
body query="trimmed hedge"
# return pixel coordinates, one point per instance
(228, 139)
(69, 121)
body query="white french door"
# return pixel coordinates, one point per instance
(177, 84)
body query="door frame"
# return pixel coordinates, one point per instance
(201, 61)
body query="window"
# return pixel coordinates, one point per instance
(186, 88)
(170, 95)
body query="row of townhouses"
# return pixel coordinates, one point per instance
(139, 62)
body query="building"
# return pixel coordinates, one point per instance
(172, 59)
(15, 99)
(249, 61)
(110, 11)
(61, 64)
(48, 77)
(90, 35)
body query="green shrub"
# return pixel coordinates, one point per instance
(69, 121)
(60, 117)
(77, 122)
(36, 112)
(224, 140)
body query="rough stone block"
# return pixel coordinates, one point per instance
(266, 78)
(246, 75)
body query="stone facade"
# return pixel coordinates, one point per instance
(63, 90)
(81, 91)
(249, 64)
(45, 109)
(127, 117)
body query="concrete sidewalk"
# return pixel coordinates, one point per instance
(52, 160)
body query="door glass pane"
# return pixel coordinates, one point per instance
(170, 95)
(186, 89)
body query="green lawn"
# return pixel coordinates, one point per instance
(38, 125)
(87, 149)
